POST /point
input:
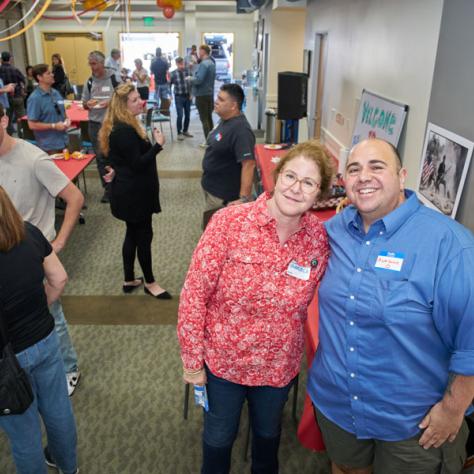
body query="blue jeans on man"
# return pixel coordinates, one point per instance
(162, 93)
(183, 107)
(221, 424)
(65, 344)
(44, 366)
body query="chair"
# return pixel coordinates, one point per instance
(155, 116)
(85, 138)
(26, 133)
(77, 91)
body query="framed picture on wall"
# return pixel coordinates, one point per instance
(446, 158)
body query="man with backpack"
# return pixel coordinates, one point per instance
(96, 96)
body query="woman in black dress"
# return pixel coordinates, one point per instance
(134, 191)
(60, 78)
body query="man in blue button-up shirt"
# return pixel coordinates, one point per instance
(394, 372)
(46, 114)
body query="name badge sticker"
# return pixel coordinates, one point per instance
(390, 261)
(105, 88)
(297, 271)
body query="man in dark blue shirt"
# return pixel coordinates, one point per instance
(393, 375)
(159, 68)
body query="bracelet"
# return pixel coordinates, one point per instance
(192, 372)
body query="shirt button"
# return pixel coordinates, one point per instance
(367, 242)
(355, 397)
(359, 270)
(353, 375)
(351, 349)
(351, 323)
(381, 232)
(352, 297)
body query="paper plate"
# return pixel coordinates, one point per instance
(57, 156)
(273, 147)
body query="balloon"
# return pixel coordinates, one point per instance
(176, 4)
(162, 3)
(168, 12)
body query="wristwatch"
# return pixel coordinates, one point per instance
(244, 199)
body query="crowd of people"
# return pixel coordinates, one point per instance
(393, 376)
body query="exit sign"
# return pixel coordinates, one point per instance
(148, 21)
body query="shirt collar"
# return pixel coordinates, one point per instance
(262, 217)
(392, 221)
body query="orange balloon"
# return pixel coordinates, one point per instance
(162, 3)
(168, 12)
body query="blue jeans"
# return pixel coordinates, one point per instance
(162, 91)
(183, 105)
(43, 363)
(221, 424)
(67, 349)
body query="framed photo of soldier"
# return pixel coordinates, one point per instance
(444, 165)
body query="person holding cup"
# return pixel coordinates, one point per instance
(134, 189)
(244, 304)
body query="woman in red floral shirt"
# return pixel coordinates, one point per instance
(244, 304)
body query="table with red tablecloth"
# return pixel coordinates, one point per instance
(308, 431)
(76, 113)
(72, 167)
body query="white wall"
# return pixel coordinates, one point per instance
(384, 46)
(240, 25)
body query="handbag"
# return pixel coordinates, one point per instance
(16, 394)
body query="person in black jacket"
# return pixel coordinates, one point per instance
(31, 278)
(134, 195)
(60, 78)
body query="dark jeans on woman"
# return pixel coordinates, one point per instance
(183, 106)
(221, 424)
(137, 241)
(205, 106)
(144, 92)
(100, 159)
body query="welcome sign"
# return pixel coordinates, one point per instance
(379, 118)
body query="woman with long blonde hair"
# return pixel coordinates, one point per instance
(31, 278)
(134, 190)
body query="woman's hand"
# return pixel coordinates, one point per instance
(196, 377)
(109, 176)
(158, 136)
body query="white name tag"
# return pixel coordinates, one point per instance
(295, 270)
(105, 88)
(390, 261)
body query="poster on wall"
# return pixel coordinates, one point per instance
(379, 118)
(446, 158)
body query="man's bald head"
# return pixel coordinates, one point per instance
(387, 146)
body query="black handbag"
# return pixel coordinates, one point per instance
(16, 394)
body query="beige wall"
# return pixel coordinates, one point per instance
(384, 46)
(197, 24)
(285, 51)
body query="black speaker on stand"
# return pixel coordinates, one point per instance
(292, 101)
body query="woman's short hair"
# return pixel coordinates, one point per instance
(138, 61)
(39, 70)
(314, 151)
(12, 227)
(97, 56)
(117, 111)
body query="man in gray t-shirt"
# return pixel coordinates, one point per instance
(33, 181)
(96, 95)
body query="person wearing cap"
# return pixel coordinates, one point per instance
(9, 74)
(113, 64)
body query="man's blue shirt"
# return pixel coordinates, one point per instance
(47, 107)
(396, 316)
(3, 96)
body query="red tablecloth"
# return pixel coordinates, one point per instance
(308, 431)
(72, 168)
(76, 113)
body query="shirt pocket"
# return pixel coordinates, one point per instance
(392, 293)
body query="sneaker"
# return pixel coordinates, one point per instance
(180, 136)
(187, 134)
(203, 145)
(105, 198)
(72, 381)
(49, 460)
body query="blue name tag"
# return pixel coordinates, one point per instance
(390, 261)
(200, 396)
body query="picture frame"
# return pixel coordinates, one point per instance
(307, 61)
(444, 165)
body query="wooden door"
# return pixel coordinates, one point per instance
(321, 67)
(74, 48)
